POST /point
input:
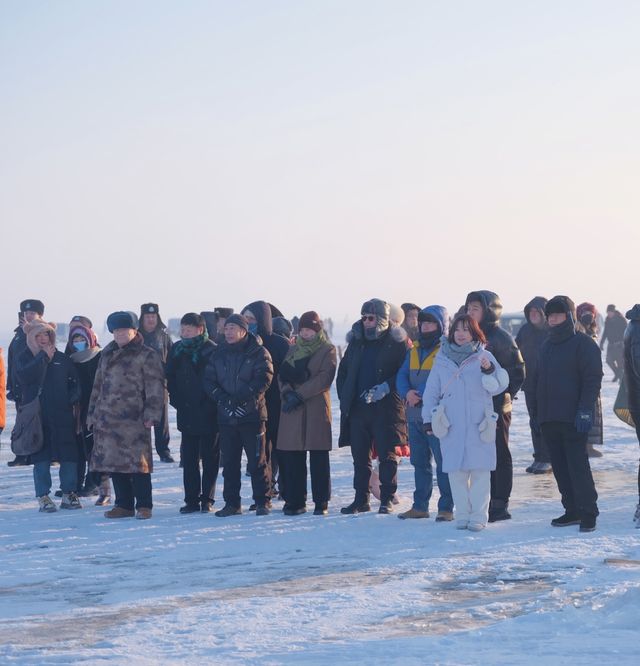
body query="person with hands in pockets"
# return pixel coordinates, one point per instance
(458, 409)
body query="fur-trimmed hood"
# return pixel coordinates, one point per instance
(34, 328)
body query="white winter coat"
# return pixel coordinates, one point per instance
(467, 402)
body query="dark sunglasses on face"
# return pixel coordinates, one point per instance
(368, 317)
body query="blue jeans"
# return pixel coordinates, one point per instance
(423, 447)
(42, 477)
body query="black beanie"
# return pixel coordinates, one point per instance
(192, 319)
(238, 320)
(32, 305)
(559, 305)
(310, 320)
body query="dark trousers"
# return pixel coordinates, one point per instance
(250, 438)
(570, 462)
(161, 431)
(615, 358)
(636, 419)
(273, 459)
(200, 487)
(294, 469)
(366, 426)
(132, 488)
(502, 477)
(540, 448)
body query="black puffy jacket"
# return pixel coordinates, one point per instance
(241, 372)
(569, 375)
(391, 351)
(632, 359)
(196, 412)
(530, 338)
(502, 345)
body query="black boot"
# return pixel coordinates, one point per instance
(322, 509)
(357, 506)
(229, 510)
(588, 523)
(567, 519)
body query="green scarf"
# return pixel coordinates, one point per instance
(305, 348)
(191, 346)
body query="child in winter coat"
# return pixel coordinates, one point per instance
(458, 409)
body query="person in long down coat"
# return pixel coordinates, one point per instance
(632, 379)
(305, 422)
(196, 413)
(371, 408)
(126, 402)
(43, 371)
(3, 397)
(458, 408)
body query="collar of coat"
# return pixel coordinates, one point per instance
(397, 333)
(132, 347)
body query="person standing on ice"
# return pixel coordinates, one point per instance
(459, 410)
(31, 309)
(305, 423)
(614, 327)
(371, 409)
(632, 379)
(410, 323)
(486, 308)
(433, 323)
(258, 315)
(47, 374)
(154, 333)
(126, 402)
(564, 392)
(236, 378)
(196, 414)
(529, 340)
(588, 319)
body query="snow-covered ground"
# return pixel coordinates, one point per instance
(77, 588)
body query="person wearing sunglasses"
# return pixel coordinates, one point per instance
(370, 405)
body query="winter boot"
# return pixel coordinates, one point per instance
(498, 511)
(190, 508)
(542, 468)
(70, 501)
(413, 513)
(588, 523)
(531, 468)
(206, 506)
(444, 516)
(143, 513)
(119, 512)
(46, 504)
(264, 509)
(566, 519)
(593, 452)
(229, 510)
(357, 506)
(103, 500)
(386, 506)
(294, 511)
(322, 509)
(475, 527)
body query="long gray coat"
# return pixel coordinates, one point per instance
(128, 390)
(466, 401)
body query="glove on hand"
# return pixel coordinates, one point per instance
(377, 392)
(292, 400)
(583, 421)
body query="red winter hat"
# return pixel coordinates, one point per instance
(310, 320)
(585, 308)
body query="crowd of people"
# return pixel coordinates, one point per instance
(412, 380)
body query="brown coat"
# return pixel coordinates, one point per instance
(128, 390)
(308, 428)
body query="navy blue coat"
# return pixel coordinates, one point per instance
(569, 376)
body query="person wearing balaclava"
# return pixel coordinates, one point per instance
(433, 322)
(564, 392)
(371, 408)
(529, 340)
(154, 334)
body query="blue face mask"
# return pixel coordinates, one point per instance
(80, 346)
(253, 328)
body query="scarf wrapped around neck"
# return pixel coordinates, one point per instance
(191, 346)
(306, 348)
(459, 353)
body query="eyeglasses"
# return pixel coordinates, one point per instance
(368, 317)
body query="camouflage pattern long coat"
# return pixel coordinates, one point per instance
(128, 390)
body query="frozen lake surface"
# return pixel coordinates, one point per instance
(76, 587)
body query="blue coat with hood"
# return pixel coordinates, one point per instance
(418, 361)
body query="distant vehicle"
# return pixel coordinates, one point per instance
(513, 322)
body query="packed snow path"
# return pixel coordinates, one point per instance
(76, 587)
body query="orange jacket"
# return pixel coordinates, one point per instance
(3, 393)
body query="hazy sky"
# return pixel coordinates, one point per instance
(316, 154)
